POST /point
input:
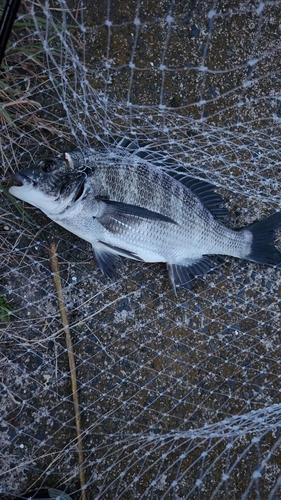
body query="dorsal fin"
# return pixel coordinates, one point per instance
(140, 149)
(202, 189)
(205, 192)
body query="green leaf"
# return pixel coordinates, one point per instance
(5, 309)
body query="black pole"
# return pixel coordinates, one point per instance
(6, 24)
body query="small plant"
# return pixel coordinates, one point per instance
(5, 309)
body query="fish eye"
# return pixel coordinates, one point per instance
(48, 165)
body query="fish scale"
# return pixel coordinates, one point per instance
(127, 206)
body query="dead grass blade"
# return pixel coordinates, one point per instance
(71, 360)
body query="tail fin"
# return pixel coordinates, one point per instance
(263, 249)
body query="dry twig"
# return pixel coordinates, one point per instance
(71, 360)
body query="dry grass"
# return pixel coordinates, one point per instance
(24, 74)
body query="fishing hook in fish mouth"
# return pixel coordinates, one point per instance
(67, 157)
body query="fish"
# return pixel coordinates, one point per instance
(125, 205)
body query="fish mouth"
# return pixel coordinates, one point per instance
(19, 180)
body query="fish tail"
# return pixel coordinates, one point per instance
(263, 249)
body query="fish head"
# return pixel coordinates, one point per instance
(52, 184)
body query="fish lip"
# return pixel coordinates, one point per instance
(20, 179)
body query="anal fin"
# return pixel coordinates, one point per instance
(181, 273)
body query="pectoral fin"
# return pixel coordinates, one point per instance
(127, 214)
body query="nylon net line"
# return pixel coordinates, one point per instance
(179, 395)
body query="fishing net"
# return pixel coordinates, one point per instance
(177, 396)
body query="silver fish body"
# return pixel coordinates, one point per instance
(125, 205)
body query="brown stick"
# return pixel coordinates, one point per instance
(71, 360)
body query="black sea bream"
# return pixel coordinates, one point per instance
(125, 205)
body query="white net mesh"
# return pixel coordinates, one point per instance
(179, 396)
